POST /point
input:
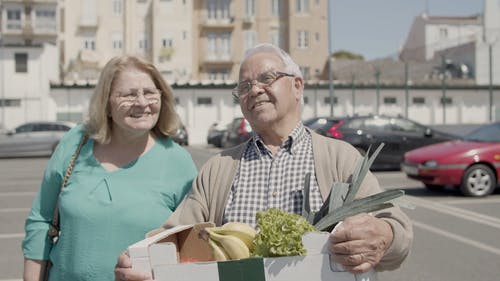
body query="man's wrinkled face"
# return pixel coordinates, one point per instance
(268, 93)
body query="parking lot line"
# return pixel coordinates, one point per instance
(11, 235)
(479, 245)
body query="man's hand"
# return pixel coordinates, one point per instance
(360, 242)
(124, 271)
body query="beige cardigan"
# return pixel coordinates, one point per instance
(334, 162)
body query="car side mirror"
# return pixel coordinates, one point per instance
(428, 132)
(10, 132)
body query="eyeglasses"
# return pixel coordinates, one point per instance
(151, 95)
(264, 80)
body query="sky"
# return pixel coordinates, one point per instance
(378, 28)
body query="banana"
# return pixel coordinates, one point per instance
(218, 253)
(233, 246)
(243, 231)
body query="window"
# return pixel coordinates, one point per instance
(89, 43)
(117, 41)
(211, 45)
(167, 42)
(143, 43)
(303, 39)
(305, 72)
(316, 36)
(327, 100)
(446, 100)
(418, 100)
(10, 103)
(218, 45)
(306, 100)
(117, 7)
(226, 45)
(46, 19)
(250, 8)
(218, 9)
(250, 39)
(274, 37)
(204, 101)
(390, 100)
(302, 6)
(21, 60)
(402, 125)
(14, 19)
(276, 7)
(212, 9)
(443, 32)
(224, 7)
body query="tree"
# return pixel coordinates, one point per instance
(342, 54)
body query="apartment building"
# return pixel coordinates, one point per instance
(28, 60)
(95, 31)
(469, 41)
(190, 39)
(228, 28)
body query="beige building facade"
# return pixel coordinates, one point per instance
(189, 39)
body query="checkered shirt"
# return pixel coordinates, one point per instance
(266, 181)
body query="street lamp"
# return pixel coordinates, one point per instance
(2, 83)
(330, 53)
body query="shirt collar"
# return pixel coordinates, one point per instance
(297, 135)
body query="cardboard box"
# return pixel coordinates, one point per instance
(161, 254)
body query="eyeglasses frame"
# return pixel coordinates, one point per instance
(254, 82)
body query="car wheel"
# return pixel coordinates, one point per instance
(433, 187)
(479, 180)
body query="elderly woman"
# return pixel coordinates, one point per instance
(127, 179)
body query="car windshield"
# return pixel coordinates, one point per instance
(488, 133)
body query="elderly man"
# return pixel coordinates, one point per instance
(268, 171)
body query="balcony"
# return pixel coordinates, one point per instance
(217, 23)
(248, 19)
(88, 22)
(28, 29)
(217, 60)
(30, 2)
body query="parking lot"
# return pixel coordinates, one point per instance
(456, 238)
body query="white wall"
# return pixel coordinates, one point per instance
(31, 88)
(469, 106)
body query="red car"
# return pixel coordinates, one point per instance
(471, 164)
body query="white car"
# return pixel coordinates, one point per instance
(33, 139)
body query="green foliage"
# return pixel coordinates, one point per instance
(280, 234)
(347, 55)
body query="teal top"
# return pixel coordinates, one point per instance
(101, 212)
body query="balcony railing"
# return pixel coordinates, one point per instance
(226, 23)
(217, 59)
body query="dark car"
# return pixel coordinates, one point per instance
(315, 122)
(33, 139)
(238, 131)
(216, 134)
(398, 133)
(471, 164)
(181, 136)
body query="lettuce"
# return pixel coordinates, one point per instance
(280, 234)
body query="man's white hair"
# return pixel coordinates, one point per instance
(290, 65)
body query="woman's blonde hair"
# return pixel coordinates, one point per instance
(99, 124)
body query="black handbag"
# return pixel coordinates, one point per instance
(54, 230)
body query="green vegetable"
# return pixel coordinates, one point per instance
(280, 234)
(341, 204)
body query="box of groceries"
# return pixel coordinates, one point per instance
(205, 252)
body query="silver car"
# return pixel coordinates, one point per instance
(33, 139)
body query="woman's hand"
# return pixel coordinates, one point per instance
(124, 271)
(34, 270)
